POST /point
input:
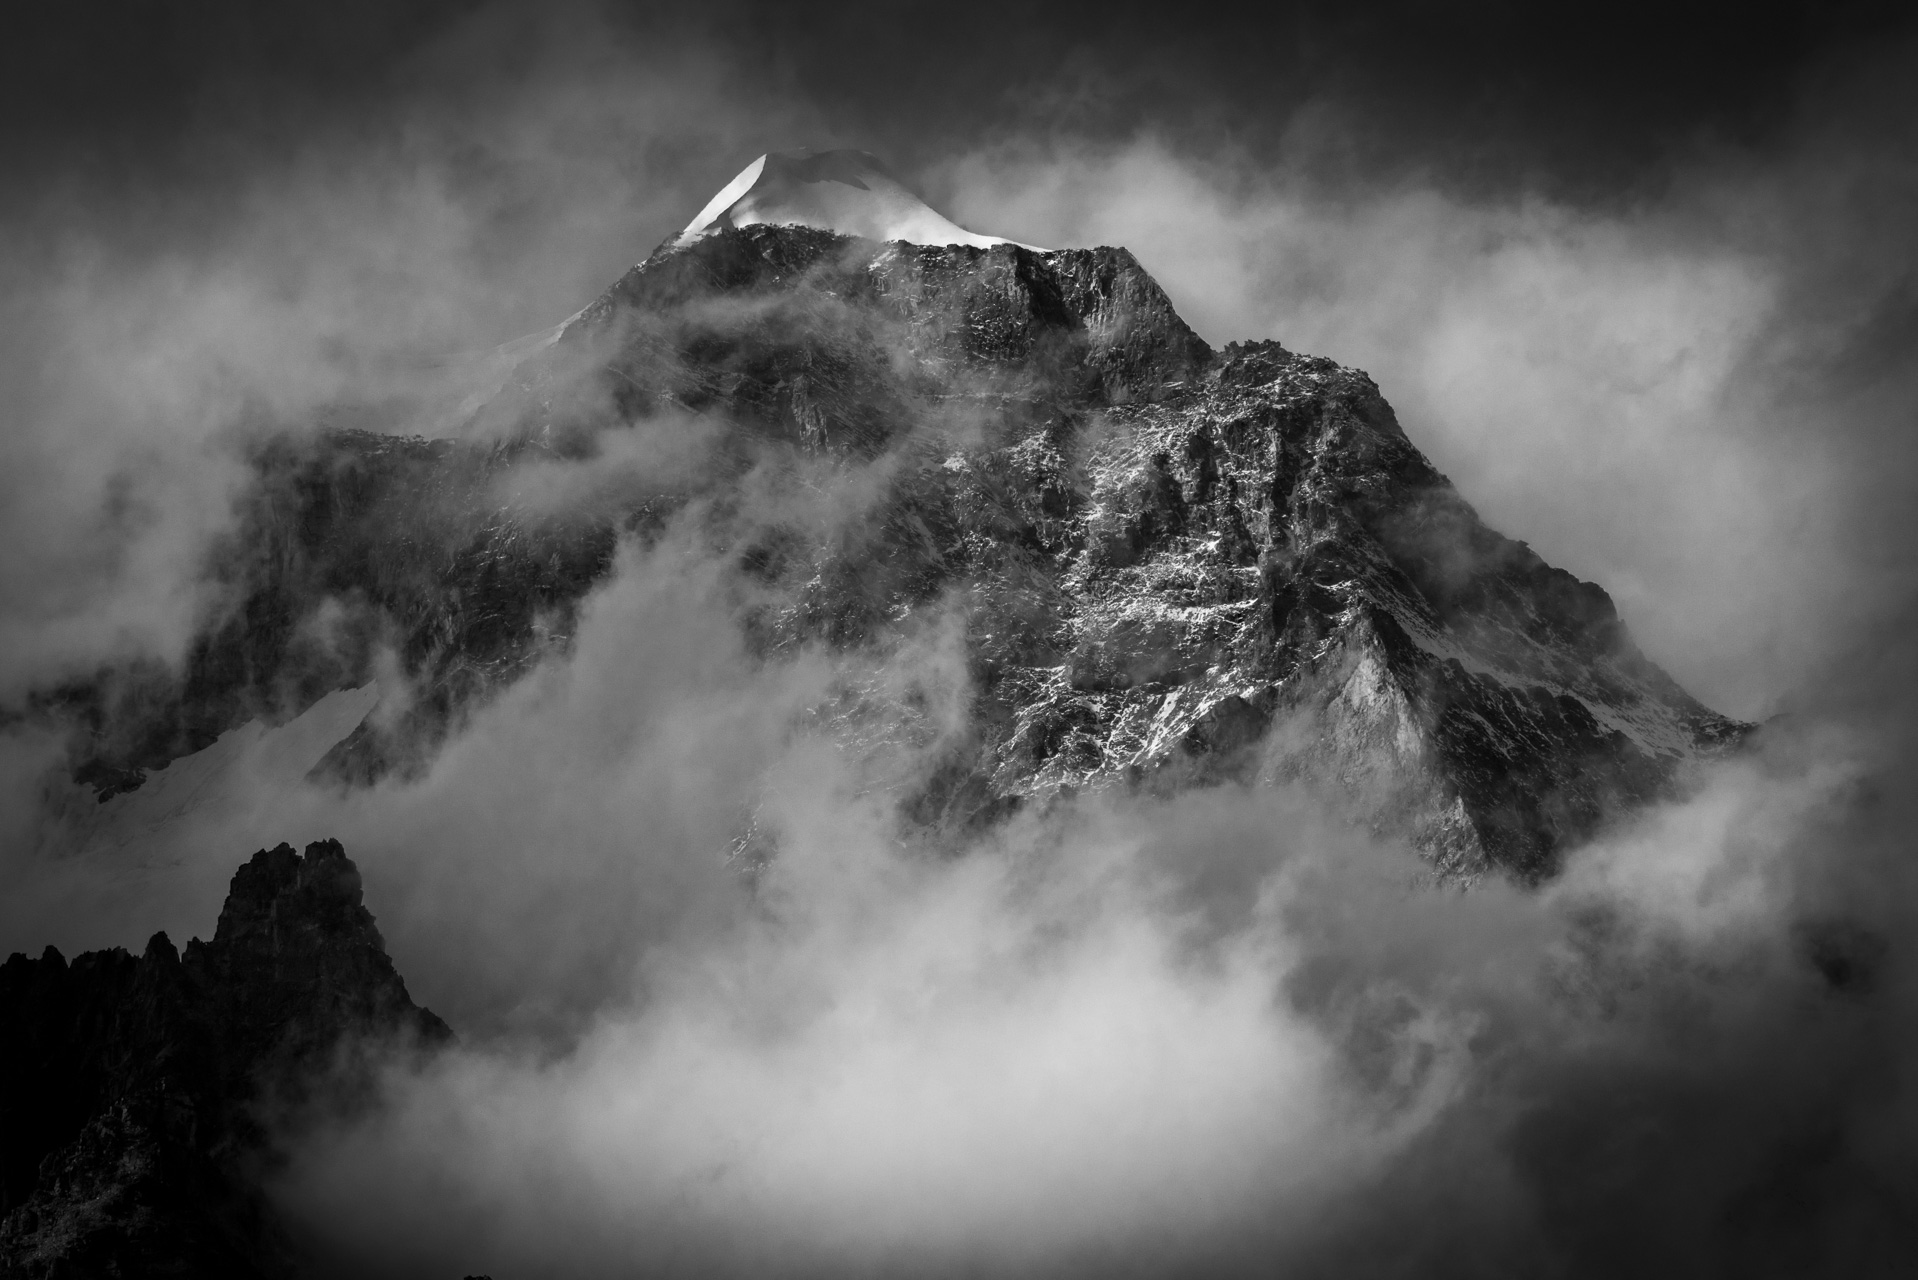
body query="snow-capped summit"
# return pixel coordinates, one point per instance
(1172, 566)
(850, 192)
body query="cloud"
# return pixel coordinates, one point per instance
(354, 275)
(1217, 1032)
(1046, 1052)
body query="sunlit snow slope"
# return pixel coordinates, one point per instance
(849, 192)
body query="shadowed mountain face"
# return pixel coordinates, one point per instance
(1168, 564)
(130, 1135)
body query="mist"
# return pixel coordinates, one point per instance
(1220, 1031)
(1215, 1033)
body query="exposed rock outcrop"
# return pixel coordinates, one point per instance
(1171, 563)
(132, 1089)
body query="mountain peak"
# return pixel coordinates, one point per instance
(850, 192)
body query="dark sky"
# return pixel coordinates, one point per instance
(1583, 101)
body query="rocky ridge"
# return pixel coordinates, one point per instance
(131, 1089)
(1171, 564)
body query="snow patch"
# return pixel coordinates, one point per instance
(250, 757)
(849, 192)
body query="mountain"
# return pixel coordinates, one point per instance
(130, 1143)
(1171, 565)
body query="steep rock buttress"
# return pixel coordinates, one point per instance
(1172, 564)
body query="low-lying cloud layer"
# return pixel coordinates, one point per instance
(1216, 1032)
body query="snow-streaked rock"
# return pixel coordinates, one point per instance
(1169, 564)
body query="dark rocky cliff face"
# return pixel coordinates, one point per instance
(1172, 565)
(130, 1140)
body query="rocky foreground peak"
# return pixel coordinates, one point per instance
(129, 1138)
